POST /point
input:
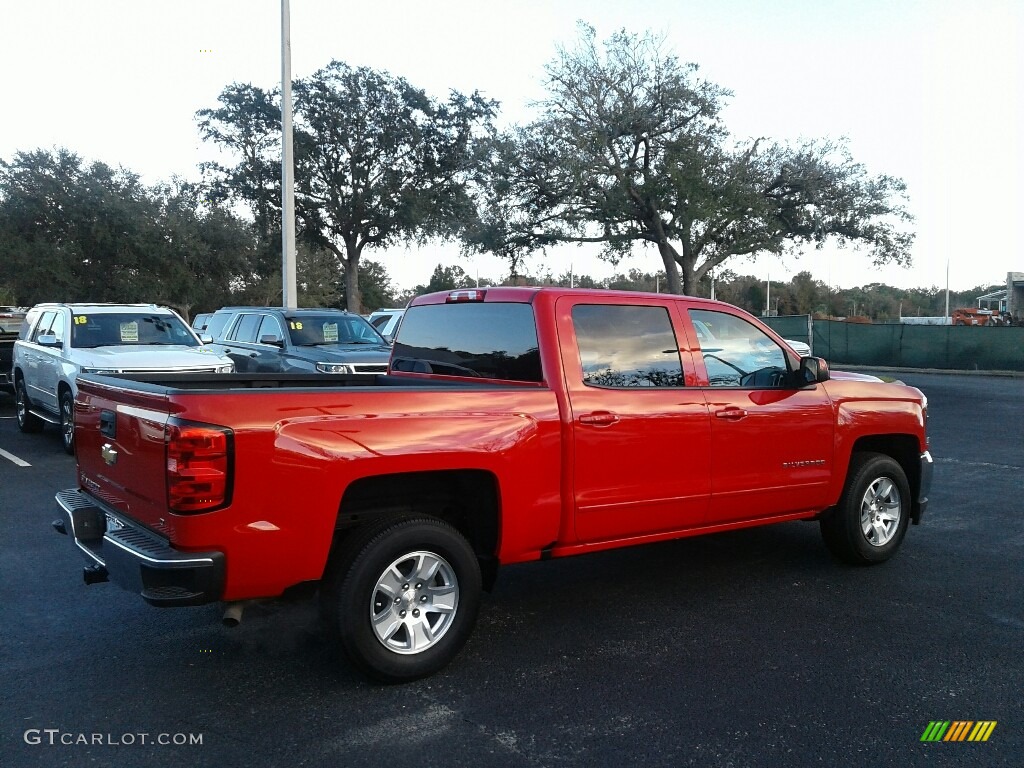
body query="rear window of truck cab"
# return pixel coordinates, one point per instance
(481, 340)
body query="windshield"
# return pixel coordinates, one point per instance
(316, 330)
(129, 329)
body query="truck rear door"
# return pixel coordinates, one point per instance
(640, 430)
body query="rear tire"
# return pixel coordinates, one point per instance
(868, 524)
(67, 422)
(27, 422)
(402, 597)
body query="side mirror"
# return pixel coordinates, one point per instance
(272, 339)
(47, 340)
(206, 338)
(813, 370)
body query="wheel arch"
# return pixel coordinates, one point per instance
(903, 449)
(467, 499)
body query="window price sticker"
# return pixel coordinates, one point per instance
(331, 332)
(129, 332)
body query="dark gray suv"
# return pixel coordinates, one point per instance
(272, 340)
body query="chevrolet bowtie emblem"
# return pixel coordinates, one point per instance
(109, 454)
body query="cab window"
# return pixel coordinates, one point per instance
(627, 346)
(737, 353)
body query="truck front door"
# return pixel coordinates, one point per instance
(641, 435)
(771, 438)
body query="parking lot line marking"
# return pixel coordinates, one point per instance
(11, 457)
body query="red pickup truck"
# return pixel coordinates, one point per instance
(515, 424)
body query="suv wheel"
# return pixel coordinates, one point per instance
(67, 421)
(27, 422)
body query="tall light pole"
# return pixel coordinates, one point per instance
(289, 299)
(947, 290)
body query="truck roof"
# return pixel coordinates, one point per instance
(529, 294)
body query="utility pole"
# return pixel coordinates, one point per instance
(289, 299)
(947, 291)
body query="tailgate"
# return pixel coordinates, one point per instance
(120, 448)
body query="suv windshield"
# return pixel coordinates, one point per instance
(128, 329)
(315, 330)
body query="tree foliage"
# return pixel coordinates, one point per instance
(377, 161)
(72, 231)
(635, 151)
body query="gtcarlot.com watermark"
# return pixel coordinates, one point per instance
(54, 737)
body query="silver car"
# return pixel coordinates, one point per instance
(59, 341)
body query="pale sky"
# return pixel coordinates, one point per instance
(927, 90)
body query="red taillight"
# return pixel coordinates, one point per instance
(198, 467)
(471, 295)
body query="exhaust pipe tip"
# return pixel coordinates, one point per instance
(95, 574)
(233, 615)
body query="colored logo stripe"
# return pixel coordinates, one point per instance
(958, 730)
(982, 730)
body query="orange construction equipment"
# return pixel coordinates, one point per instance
(976, 316)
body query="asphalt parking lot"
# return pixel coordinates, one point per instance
(751, 648)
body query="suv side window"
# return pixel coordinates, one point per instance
(216, 324)
(269, 326)
(627, 346)
(737, 353)
(28, 324)
(44, 325)
(57, 327)
(245, 329)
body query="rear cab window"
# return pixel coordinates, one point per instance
(487, 340)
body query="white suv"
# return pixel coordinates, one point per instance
(59, 341)
(386, 321)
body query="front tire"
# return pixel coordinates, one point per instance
(868, 524)
(27, 421)
(67, 421)
(402, 597)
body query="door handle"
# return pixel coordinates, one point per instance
(732, 414)
(599, 419)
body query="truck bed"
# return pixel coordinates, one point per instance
(159, 383)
